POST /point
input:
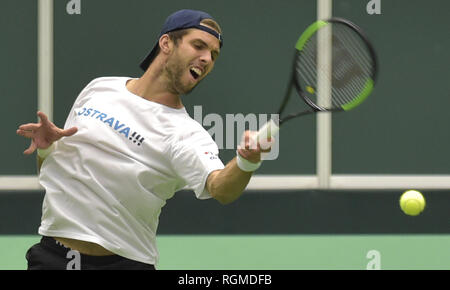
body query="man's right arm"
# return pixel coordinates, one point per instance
(228, 184)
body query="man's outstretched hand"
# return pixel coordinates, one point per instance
(43, 134)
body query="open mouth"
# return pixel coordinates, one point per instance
(195, 72)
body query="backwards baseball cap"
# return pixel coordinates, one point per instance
(181, 19)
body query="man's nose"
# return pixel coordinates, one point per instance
(206, 57)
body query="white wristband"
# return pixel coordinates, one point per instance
(43, 153)
(246, 165)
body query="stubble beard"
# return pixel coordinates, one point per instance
(174, 70)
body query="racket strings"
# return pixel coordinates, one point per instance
(342, 79)
(352, 65)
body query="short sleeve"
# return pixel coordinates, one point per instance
(194, 157)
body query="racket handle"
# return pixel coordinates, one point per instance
(269, 129)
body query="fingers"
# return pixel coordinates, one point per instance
(248, 141)
(25, 133)
(266, 144)
(69, 132)
(43, 117)
(30, 149)
(30, 127)
(249, 148)
(250, 155)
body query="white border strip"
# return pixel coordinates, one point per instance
(45, 57)
(286, 182)
(290, 182)
(350, 182)
(20, 182)
(380, 182)
(323, 130)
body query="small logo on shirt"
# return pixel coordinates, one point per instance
(211, 155)
(114, 123)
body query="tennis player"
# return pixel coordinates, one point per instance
(127, 146)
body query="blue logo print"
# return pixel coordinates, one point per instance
(114, 123)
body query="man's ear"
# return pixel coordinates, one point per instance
(165, 44)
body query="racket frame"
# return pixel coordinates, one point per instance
(294, 82)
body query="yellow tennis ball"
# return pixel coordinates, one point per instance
(310, 90)
(412, 202)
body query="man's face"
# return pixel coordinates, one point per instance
(191, 60)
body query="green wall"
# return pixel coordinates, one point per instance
(268, 213)
(18, 82)
(401, 128)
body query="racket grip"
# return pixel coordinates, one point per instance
(269, 129)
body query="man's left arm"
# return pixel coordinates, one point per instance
(43, 135)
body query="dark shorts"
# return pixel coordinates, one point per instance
(52, 255)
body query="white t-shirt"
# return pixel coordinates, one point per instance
(107, 183)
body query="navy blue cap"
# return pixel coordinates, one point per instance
(181, 19)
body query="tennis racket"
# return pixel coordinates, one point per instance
(334, 70)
